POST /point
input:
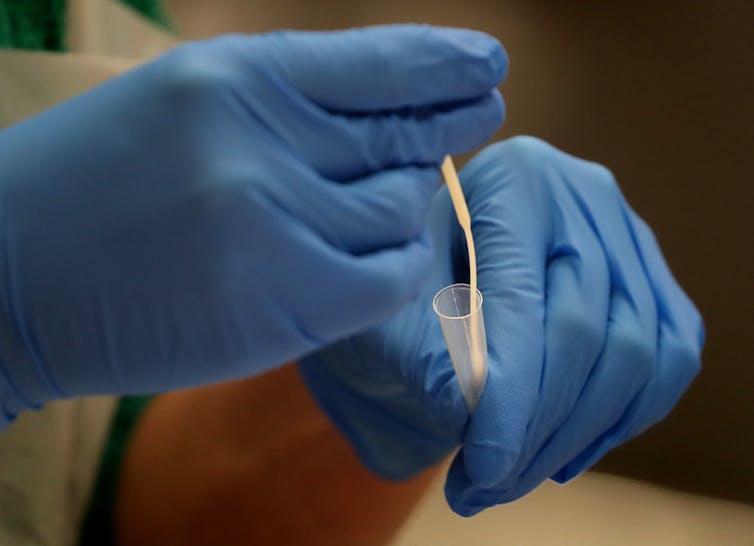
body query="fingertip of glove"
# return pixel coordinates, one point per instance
(463, 510)
(464, 497)
(491, 112)
(569, 472)
(479, 46)
(461, 63)
(498, 62)
(563, 476)
(458, 501)
(497, 113)
(468, 500)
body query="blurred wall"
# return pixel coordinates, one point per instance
(663, 94)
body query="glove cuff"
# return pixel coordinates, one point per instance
(24, 383)
(11, 402)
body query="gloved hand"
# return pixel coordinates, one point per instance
(590, 338)
(229, 206)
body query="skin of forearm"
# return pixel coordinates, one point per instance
(252, 462)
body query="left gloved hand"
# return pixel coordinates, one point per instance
(590, 338)
(229, 206)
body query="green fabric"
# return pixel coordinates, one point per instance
(32, 24)
(40, 24)
(98, 528)
(152, 9)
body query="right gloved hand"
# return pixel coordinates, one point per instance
(591, 340)
(230, 206)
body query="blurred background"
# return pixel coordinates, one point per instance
(663, 94)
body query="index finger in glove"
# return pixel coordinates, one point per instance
(388, 67)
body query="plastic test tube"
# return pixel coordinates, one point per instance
(453, 306)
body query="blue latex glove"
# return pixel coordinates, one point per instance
(590, 338)
(230, 206)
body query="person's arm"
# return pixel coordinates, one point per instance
(252, 462)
